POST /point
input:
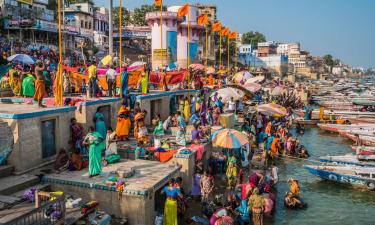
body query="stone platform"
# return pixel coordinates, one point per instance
(138, 200)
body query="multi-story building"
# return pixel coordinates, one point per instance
(266, 48)
(282, 49)
(211, 11)
(277, 64)
(101, 17)
(32, 21)
(78, 25)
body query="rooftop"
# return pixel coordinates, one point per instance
(143, 180)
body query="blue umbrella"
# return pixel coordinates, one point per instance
(22, 58)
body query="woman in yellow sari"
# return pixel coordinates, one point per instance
(144, 82)
(170, 208)
(186, 109)
(140, 130)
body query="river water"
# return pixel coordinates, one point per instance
(328, 203)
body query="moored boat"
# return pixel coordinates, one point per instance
(363, 150)
(348, 159)
(357, 176)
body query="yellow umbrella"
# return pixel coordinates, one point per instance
(106, 60)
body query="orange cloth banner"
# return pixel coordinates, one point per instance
(183, 11)
(225, 32)
(216, 27)
(159, 2)
(202, 19)
(232, 35)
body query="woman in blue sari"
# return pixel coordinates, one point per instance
(100, 124)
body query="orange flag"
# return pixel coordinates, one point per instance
(233, 35)
(216, 27)
(225, 32)
(184, 10)
(159, 2)
(202, 19)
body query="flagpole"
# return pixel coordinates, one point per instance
(228, 39)
(58, 91)
(161, 37)
(120, 35)
(206, 63)
(220, 51)
(188, 52)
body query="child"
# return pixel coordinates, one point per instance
(83, 87)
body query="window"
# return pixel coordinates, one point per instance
(81, 23)
(48, 128)
(89, 25)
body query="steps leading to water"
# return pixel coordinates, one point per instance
(6, 170)
(13, 184)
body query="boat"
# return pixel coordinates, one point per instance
(348, 159)
(367, 140)
(363, 150)
(337, 127)
(360, 119)
(346, 174)
(364, 102)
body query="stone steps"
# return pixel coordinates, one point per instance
(39, 187)
(6, 171)
(13, 184)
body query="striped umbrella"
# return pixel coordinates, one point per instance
(229, 138)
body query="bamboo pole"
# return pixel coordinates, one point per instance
(120, 35)
(161, 38)
(59, 88)
(206, 63)
(188, 51)
(220, 62)
(228, 39)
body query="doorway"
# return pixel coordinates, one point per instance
(48, 138)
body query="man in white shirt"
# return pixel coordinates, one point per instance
(111, 81)
(231, 105)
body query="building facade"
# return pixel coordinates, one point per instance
(101, 26)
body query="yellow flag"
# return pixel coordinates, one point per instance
(184, 10)
(202, 19)
(216, 27)
(233, 35)
(159, 3)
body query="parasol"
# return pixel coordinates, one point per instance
(136, 65)
(197, 66)
(229, 138)
(256, 79)
(210, 70)
(272, 109)
(106, 60)
(252, 87)
(21, 58)
(277, 91)
(238, 77)
(227, 93)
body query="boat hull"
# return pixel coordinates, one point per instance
(339, 178)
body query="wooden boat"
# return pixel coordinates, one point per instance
(301, 120)
(348, 159)
(363, 150)
(337, 127)
(364, 102)
(346, 174)
(360, 119)
(359, 131)
(367, 140)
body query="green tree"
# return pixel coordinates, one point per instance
(126, 18)
(139, 16)
(328, 60)
(253, 38)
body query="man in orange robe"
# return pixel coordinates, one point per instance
(123, 123)
(39, 84)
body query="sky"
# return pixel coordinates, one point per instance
(343, 28)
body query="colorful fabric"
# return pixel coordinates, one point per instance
(144, 83)
(186, 110)
(159, 130)
(28, 86)
(39, 90)
(170, 212)
(229, 138)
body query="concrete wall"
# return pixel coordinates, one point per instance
(85, 115)
(187, 163)
(139, 210)
(27, 136)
